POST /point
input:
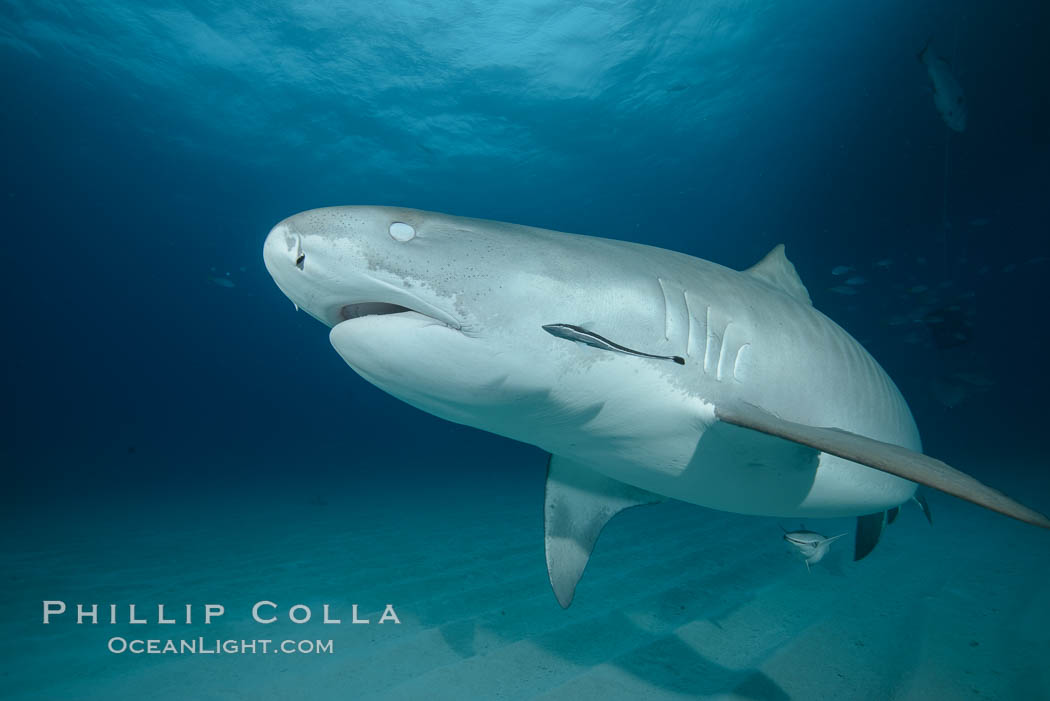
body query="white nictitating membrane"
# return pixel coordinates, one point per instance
(400, 231)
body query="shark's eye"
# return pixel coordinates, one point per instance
(399, 231)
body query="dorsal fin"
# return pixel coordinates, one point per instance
(778, 271)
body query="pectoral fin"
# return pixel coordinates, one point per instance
(577, 504)
(881, 456)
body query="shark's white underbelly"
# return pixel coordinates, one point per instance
(709, 463)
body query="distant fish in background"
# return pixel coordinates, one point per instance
(810, 546)
(949, 326)
(917, 309)
(841, 269)
(947, 393)
(856, 280)
(952, 389)
(221, 280)
(974, 379)
(947, 93)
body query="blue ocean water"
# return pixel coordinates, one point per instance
(178, 433)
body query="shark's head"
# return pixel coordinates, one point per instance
(343, 263)
(443, 312)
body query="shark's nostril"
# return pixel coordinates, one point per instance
(300, 257)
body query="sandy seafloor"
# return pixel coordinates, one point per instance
(678, 601)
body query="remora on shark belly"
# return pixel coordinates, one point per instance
(775, 410)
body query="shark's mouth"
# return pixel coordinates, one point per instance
(357, 310)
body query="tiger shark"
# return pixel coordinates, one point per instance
(564, 341)
(947, 92)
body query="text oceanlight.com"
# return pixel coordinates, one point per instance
(203, 646)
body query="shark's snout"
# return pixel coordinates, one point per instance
(285, 259)
(282, 250)
(328, 276)
(276, 254)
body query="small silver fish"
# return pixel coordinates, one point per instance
(221, 281)
(844, 290)
(582, 335)
(856, 280)
(840, 269)
(810, 546)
